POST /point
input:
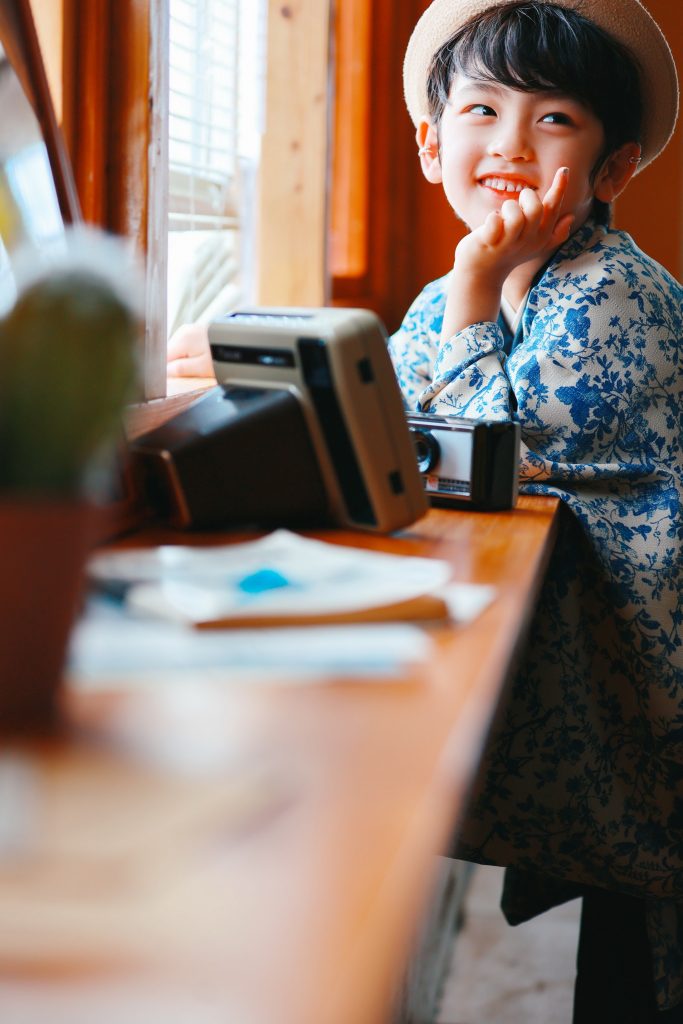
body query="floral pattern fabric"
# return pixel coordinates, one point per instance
(582, 779)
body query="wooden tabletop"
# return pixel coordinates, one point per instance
(253, 853)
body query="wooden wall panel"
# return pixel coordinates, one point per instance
(349, 227)
(293, 214)
(384, 149)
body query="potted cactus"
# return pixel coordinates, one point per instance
(67, 368)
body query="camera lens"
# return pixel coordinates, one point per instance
(427, 449)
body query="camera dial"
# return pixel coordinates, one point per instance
(427, 449)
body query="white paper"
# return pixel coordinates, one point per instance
(108, 645)
(281, 574)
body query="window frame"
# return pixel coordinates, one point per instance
(115, 119)
(293, 200)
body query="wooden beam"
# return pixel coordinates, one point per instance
(293, 214)
(116, 128)
(48, 18)
(353, 104)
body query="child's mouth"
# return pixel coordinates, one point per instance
(504, 185)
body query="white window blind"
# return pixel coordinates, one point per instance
(216, 76)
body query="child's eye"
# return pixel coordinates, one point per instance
(557, 117)
(482, 109)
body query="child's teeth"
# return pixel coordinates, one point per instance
(500, 185)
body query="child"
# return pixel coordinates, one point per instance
(534, 116)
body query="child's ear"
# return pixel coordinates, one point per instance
(428, 150)
(616, 172)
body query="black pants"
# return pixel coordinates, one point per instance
(614, 983)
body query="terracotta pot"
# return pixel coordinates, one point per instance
(43, 549)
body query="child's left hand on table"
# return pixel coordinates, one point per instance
(188, 353)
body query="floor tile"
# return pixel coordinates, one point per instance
(504, 975)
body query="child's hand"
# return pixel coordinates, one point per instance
(188, 353)
(525, 230)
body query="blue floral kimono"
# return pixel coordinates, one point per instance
(582, 782)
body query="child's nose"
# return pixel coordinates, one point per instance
(511, 142)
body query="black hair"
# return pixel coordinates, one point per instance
(533, 47)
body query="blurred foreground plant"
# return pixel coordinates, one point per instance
(67, 368)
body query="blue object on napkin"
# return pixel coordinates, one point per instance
(263, 580)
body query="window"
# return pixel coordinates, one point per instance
(265, 202)
(216, 81)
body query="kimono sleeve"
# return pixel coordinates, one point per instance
(413, 348)
(469, 377)
(464, 376)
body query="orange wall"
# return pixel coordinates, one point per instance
(651, 208)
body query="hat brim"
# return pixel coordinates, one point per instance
(625, 20)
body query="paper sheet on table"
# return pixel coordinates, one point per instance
(282, 579)
(109, 645)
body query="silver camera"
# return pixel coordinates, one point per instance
(467, 463)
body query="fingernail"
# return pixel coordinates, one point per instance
(564, 171)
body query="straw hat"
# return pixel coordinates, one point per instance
(625, 20)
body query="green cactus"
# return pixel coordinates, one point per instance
(67, 368)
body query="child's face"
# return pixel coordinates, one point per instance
(496, 140)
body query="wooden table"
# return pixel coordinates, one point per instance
(255, 854)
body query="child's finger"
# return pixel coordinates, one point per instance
(513, 218)
(190, 366)
(492, 229)
(530, 205)
(555, 194)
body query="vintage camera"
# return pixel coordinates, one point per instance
(306, 427)
(467, 463)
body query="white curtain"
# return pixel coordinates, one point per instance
(216, 83)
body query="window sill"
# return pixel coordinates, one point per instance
(184, 385)
(182, 391)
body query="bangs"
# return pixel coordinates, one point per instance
(521, 52)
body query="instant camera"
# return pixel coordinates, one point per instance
(306, 427)
(467, 463)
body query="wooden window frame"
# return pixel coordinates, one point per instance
(293, 194)
(114, 119)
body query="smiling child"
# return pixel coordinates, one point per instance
(533, 117)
